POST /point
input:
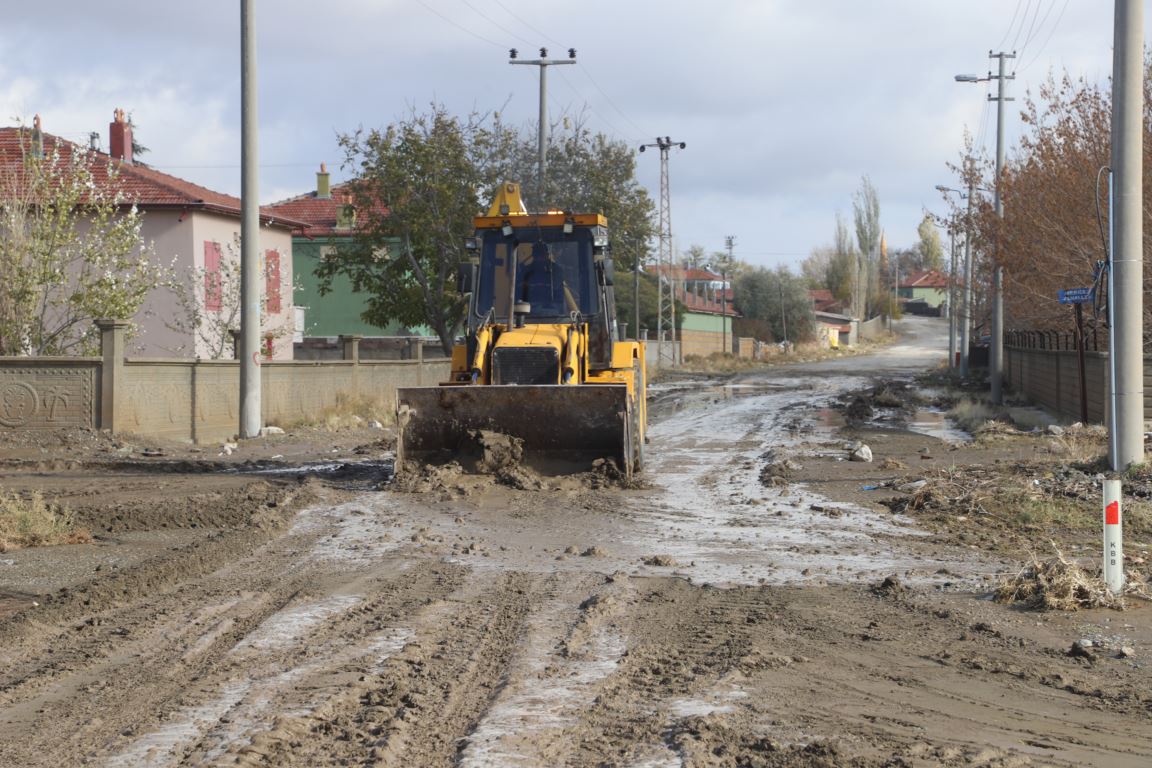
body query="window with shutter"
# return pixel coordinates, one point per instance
(213, 286)
(272, 282)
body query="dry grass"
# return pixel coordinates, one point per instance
(32, 522)
(350, 412)
(718, 362)
(1058, 584)
(974, 417)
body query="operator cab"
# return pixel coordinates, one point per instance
(549, 273)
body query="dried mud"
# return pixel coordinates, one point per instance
(748, 605)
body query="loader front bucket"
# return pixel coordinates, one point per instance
(563, 428)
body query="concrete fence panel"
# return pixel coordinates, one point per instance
(196, 400)
(1051, 378)
(49, 392)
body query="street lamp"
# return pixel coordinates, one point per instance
(996, 361)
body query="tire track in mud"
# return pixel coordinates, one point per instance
(683, 639)
(111, 674)
(425, 699)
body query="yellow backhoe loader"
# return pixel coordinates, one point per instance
(542, 360)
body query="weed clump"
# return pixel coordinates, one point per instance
(33, 522)
(1058, 584)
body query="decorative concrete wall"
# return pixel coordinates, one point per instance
(49, 392)
(191, 400)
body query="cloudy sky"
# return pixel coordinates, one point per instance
(784, 104)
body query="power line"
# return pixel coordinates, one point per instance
(461, 27)
(518, 18)
(1023, 20)
(1048, 39)
(1011, 24)
(584, 70)
(592, 109)
(1034, 29)
(611, 103)
(496, 24)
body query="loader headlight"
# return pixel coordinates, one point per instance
(507, 229)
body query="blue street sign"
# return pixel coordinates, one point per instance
(1077, 295)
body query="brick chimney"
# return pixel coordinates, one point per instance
(120, 137)
(37, 137)
(323, 185)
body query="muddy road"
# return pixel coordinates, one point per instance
(714, 616)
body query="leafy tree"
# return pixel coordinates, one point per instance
(423, 179)
(587, 172)
(420, 180)
(814, 267)
(695, 257)
(776, 298)
(866, 218)
(832, 267)
(71, 252)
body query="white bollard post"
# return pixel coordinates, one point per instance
(1113, 537)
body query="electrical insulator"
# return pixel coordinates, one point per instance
(571, 53)
(543, 53)
(512, 53)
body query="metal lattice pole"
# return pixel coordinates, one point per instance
(665, 269)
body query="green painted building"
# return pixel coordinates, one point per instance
(331, 222)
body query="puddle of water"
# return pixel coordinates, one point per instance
(935, 423)
(715, 518)
(369, 474)
(365, 531)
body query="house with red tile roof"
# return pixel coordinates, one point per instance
(330, 221)
(194, 229)
(706, 326)
(927, 285)
(824, 301)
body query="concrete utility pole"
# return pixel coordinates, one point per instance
(966, 326)
(996, 364)
(665, 269)
(250, 416)
(729, 243)
(1127, 342)
(951, 295)
(542, 131)
(996, 356)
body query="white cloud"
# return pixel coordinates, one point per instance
(784, 104)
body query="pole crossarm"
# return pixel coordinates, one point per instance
(542, 130)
